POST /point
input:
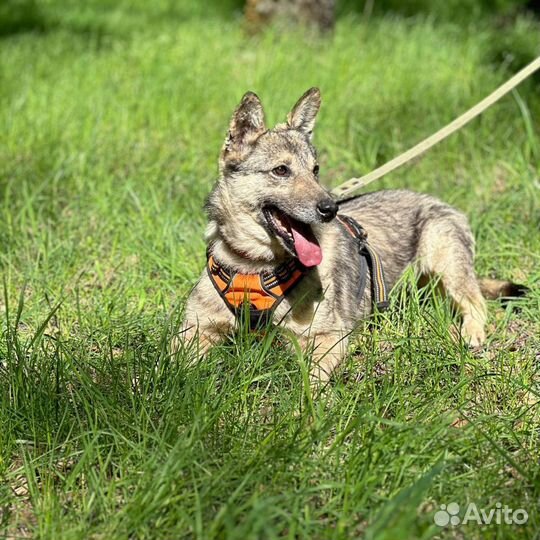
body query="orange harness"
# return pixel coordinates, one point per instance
(263, 292)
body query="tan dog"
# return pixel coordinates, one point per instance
(268, 209)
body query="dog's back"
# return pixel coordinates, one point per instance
(404, 227)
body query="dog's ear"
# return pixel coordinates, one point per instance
(247, 125)
(302, 116)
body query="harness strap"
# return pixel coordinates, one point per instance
(353, 227)
(378, 282)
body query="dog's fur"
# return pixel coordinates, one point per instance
(405, 228)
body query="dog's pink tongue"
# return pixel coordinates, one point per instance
(307, 248)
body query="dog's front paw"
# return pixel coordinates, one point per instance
(473, 333)
(192, 345)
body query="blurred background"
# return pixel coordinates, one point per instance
(25, 15)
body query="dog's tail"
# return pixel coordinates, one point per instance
(497, 288)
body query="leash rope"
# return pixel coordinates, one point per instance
(357, 183)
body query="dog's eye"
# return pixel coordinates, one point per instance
(282, 171)
(316, 170)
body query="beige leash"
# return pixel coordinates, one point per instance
(356, 183)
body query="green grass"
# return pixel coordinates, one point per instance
(112, 115)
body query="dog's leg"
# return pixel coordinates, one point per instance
(471, 305)
(329, 349)
(206, 321)
(446, 249)
(198, 340)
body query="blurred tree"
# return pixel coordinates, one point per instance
(18, 16)
(319, 13)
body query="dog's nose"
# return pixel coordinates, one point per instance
(327, 209)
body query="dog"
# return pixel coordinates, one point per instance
(272, 224)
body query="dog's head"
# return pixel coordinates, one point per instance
(268, 201)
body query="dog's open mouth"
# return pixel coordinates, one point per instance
(297, 236)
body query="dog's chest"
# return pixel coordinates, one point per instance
(326, 298)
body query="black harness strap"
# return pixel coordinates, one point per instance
(257, 318)
(378, 282)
